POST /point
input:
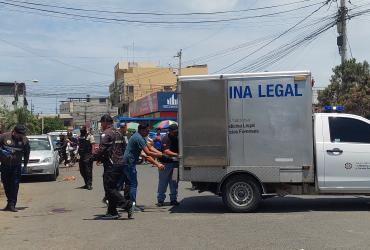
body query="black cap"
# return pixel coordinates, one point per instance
(20, 129)
(106, 118)
(173, 127)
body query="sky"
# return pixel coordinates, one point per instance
(75, 57)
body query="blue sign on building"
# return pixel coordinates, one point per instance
(167, 101)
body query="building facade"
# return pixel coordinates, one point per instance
(87, 111)
(133, 81)
(155, 105)
(13, 95)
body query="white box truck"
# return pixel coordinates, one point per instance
(249, 136)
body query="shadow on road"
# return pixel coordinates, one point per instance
(200, 204)
(214, 205)
(306, 204)
(35, 178)
(101, 217)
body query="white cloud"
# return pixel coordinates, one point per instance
(209, 5)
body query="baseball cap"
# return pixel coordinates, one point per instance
(20, 129)
(106, 118)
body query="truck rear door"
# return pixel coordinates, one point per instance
(346, 150)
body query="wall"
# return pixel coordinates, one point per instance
(136, 80)
(86, 113)
(154, 103)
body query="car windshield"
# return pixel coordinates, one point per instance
(39, 144)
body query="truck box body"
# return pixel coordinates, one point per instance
(257, 122)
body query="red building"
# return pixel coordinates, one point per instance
(156, 105)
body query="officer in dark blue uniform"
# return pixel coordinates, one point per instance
(14, 146)
(110, 153)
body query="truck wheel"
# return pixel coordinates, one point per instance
(241, 194)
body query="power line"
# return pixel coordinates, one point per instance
(276, 38)
(157, 13)
(52, 59)
(157, 22)
(274, 56)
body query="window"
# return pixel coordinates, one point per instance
(130, 89)
(39, 144)
(349, 130)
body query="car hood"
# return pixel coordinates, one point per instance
(41, 154)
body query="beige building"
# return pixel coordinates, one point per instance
(87, 111)
(134, 80)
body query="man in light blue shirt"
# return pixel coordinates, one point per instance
(135, 146)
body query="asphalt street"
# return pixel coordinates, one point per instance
(59, 215)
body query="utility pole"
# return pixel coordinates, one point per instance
(85, 111)
(32, 107)
(15, 103)
(56, 105)
(179, 55)
(342, 31)
(42, 125)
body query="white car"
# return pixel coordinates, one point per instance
(44, 159)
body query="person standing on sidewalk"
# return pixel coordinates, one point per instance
(110, 153)
(14, 146)
(170, 147)
(85, 146)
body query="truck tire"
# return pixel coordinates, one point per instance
(241, 194)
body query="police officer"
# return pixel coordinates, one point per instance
(14, 146)
(85, 145)
(123, 181)
(110, 153)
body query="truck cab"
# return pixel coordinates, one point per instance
(342, 148)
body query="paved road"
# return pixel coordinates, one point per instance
(58, 215)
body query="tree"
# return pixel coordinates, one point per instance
(23, 116)
(52, 124)
(349, 87)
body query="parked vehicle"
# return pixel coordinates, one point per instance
(44, 159)
(255, 135)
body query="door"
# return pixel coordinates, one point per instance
(203, 123)
(347, 154)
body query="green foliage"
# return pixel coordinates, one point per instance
(10, 118)
(350, 87)
(52, 124)
(22, 116)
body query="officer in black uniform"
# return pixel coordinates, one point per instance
(110, 153)
(85, 145)
(14, 146)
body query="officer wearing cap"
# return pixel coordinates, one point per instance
(85, 146)
(110, 153)
(14, 146)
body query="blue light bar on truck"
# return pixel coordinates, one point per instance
(334, 108)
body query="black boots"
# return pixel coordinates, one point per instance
(10, 208)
